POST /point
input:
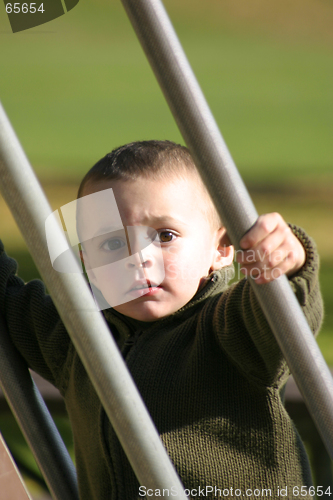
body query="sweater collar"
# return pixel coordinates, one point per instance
(217, 282)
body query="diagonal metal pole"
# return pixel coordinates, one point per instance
(86, 326)
(218, 171)
(35, 421)
(11, 483)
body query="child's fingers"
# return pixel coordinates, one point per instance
(265, 225)
(281, 261)
(270, 250)
(288, 258)
(263, 259)
(268, 274)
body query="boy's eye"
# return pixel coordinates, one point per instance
(113, 244)
(166, 236)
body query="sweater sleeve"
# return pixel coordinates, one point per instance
(33, 323)
(243, 331)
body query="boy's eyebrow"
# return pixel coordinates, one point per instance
(107, 229)
(164, 218)
(152, 220)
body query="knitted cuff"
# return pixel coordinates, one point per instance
(306, 279)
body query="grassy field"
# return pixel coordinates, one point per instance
(80, 85)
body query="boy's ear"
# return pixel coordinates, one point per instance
(224, 252)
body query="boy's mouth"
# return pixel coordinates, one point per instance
(143, 287)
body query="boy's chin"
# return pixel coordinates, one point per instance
(143, 312)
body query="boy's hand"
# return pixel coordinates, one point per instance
(270, 249)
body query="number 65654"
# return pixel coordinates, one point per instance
(16, 8)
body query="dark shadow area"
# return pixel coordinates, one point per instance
(321, 464)
(27, 269)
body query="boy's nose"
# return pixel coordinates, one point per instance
(137, 260)
(137, 240)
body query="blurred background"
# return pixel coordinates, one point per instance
(79, 86)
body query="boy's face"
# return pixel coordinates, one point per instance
(190, 247)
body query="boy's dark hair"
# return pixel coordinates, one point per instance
(148, 159)
(140, 159)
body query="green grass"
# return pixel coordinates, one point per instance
(80, 85)
(325, 339)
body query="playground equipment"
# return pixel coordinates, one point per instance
(87, 329)
(11, 484)
(36, 424)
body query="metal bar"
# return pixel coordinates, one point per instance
(35, 421)
(11, 483)
(86, 326)
(218, 171)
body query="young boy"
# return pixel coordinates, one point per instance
(201, 353)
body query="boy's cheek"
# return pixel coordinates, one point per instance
(172, 271)
(184, 274)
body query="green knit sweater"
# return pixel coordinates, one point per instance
(210, 375)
